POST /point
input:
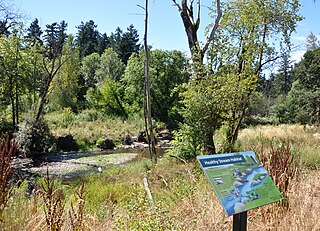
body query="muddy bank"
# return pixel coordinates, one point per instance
(72, 165)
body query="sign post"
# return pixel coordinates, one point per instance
(240, 182)
(240, 222)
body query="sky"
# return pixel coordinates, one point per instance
(165, 26)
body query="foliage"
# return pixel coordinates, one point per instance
(89, 66)
(242, 48)
(16, 72)
(107, 98)
(53, 201)
(302, 102)
(64, 86)
(111, 67)
(125, 43)
(87, 38)
(167, 71)
(33, 136)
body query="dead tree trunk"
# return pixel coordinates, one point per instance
(149, 126)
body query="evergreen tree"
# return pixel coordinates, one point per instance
(87, 38)
(103, 43)
(34, 33)
(284, 78)
(125, 43)
(312, 42)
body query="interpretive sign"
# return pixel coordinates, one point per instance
(240, 181)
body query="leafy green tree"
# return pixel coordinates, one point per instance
(65, 85)
(15, 74)
(106, 94)
(90, 64)
(284, 78)
(239, 53)
(167, 70)
(110, 66)
(103, 43)
(107, 98)
(34, 45)
(307, 92)
(244, 49)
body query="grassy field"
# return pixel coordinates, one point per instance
(182, 198)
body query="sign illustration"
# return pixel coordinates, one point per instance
(240, 181)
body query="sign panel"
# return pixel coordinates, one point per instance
(240, 181)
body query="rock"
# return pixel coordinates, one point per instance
(106, 144)
(142, 138)
(127, 139)
(164, 134)
(239, 207)
(67, 143)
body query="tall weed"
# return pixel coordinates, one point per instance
(7, 150)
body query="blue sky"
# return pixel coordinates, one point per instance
(165, 26)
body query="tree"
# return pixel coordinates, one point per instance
(191, 22)
(34, 33)
(284, 78)
(9, 17)
(87, 38)
(307, 73)
(167, 71)
(16, 72)
(237, 56)
(35, 42)
(312, 42)
(125, 43)
(89, 66)
(53, 60)
(103, 43)
(244, 49)
(104, 74)
(110, 66)
(65, 86)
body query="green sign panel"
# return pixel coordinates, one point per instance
(240, 181)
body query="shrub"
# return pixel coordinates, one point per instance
(33, 136)
(281, 165)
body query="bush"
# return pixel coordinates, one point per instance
(62, 118)
(33, 136)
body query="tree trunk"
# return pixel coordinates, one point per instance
(149, 127)
(209, 147)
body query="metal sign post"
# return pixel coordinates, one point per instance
(240, 222)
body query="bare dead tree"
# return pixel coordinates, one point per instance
(148, 120)
(191, 22)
